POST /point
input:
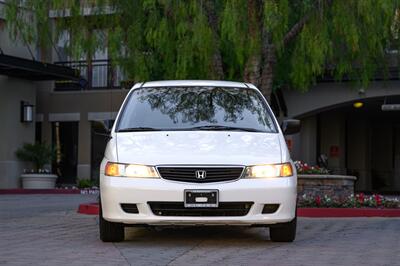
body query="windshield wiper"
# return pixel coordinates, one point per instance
(227, 128)
(135, 129)
(208, 127)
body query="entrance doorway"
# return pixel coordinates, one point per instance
(65, 143)
(368, 141)
(373, 147)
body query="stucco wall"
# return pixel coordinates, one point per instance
(325, 96)
(13, 133)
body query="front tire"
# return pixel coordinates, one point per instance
(110, 232)
(285, 232)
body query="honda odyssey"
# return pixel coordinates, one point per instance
(196, 153)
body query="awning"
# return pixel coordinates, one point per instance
(34, 70)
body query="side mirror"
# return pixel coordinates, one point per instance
(290, 126)
(106, 135)
(104, 131)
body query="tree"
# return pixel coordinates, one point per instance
(271, 43)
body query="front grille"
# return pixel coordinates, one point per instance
(129, 208)
(178, 209)
(212, 174)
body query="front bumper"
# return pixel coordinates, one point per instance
(119, 190)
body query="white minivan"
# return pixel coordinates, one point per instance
(196, 153)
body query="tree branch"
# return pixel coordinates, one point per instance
(296, 29)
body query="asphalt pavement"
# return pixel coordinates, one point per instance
(46, 230)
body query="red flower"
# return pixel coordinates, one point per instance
(378, 200)
(361, 198)
(318, 200)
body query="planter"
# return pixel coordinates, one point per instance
(38, 181)
(338, 186)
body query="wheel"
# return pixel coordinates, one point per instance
(285, 232)
(110, 232)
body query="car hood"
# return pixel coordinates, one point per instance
(198, 147)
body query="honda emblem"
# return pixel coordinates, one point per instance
(201, 174)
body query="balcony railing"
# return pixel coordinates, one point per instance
(96, 75)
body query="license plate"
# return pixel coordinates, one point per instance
(201, 198)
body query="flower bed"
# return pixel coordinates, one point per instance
(359, 200)
(305, 169)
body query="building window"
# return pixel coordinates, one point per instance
(96, 69)
(62, 46)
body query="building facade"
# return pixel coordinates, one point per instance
(24, 71)
(69, 113)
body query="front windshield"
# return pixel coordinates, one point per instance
(195, 108)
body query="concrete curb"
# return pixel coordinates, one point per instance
(93, 209)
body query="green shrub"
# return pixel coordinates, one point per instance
(86, 183)
(39, 154)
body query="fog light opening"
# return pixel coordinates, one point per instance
(270, 208)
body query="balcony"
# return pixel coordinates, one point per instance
(96, 75)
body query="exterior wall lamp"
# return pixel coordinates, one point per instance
(26, 112)
(390, 106)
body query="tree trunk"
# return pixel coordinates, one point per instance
(252, 70)
(252, 67)
(267, 72)
(218, 70)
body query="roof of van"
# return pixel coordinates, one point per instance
(205, 83)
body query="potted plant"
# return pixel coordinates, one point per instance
(39, 155)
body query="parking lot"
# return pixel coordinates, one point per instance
(46, 230)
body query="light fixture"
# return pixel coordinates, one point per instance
(358, 104)
(26, 112)
(390, 106)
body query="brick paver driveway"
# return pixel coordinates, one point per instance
(46, 230)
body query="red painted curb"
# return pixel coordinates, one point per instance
(93, 209)
(39, 191)
(89, 208)
(347, 212)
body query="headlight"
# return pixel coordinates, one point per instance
(269, 170)
(130, 170)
